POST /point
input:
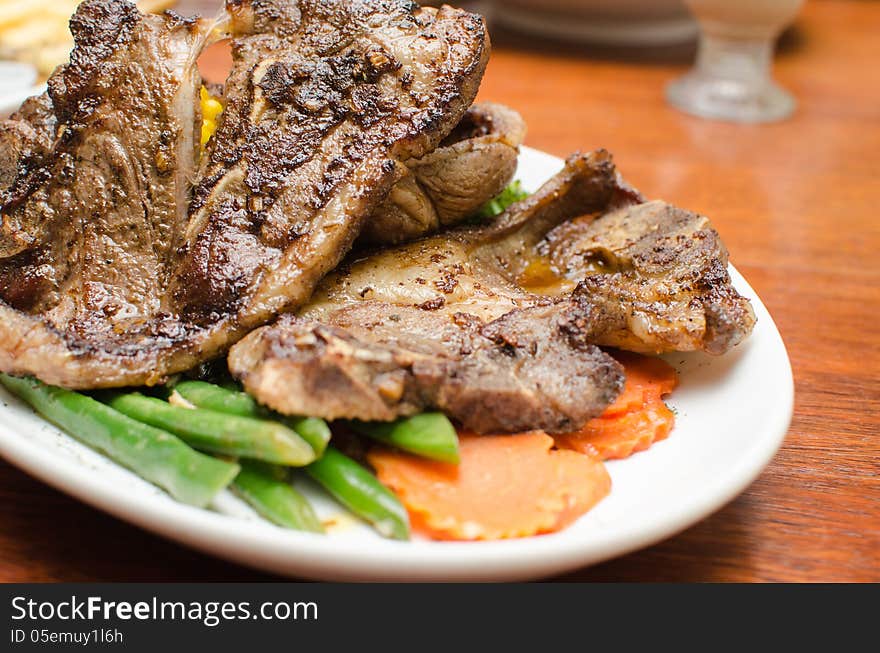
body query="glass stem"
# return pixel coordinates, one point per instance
(736, 59)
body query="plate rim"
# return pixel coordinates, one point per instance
(329, 558)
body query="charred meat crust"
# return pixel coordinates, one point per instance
(655, 277)
(102, 190)
(378, 362)
(99, 30)
(315, 108)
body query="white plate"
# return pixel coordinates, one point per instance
(733, 412)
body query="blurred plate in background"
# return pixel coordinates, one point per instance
(601, 22)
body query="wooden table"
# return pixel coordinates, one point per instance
(798, 204)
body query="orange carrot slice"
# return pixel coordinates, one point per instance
(636, 420)
(620, 436)
(505, 486)
(631, 398)
(646, 378)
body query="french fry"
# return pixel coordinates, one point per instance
(36, 31)
(14, 13)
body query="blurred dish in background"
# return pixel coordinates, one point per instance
(600, 22)
(35, 31)
(15, 76)
(16, 85)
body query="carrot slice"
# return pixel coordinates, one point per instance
(631, 398)
(646, 378)
(636, 420)
(620, 436)
(505, 486)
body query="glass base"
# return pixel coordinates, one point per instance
(729, 99)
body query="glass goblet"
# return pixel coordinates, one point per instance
(731, 78)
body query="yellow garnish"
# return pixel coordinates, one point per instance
(208, 129)
(211, 109)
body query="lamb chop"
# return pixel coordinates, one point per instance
(658, 272)
(325, 99)
(377, 361)
(449, 184)
(113, 274)
(508, 311)
(98, 193)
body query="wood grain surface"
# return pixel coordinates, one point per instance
(798, 204)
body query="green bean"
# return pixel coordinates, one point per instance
(269, 493)
(212, 397)
(218, 432)
(361, 492)
(313, 430)
(430, 435)
(153, 454)
(351, 484)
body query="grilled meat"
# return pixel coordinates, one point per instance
(112, 273)
(655, 276)
(583, 260)
(377, 361)
(324, 102)
(25, 142)
(652, 277)
(477, 269)
(471, 166)
(92, 216)
(449, 184)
